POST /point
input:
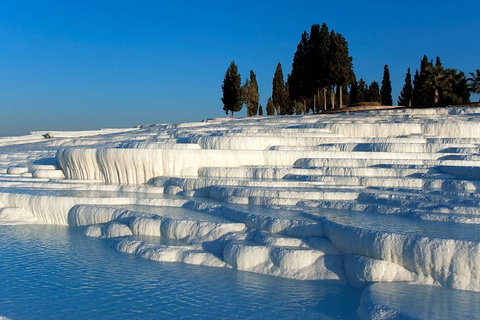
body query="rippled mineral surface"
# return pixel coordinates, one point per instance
(381, 201)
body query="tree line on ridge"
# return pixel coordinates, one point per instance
(322, 78)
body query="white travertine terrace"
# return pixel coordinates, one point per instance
(360, 198)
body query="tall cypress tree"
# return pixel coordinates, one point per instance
(417, 90)
(438, 62)
(340, 65)
(345, 75)
(289, 103)
(244, 89)
(250, 94)
(426, 94)
(374, 92)
(386, 91)
(279, 96)
(232, 92)
(270, 107)
(254, 95)
(354, 93)
(298, 79)
(317, 71)
(260, 110)
(319, 64)
(405, 98)
(362, 91)
(324, 73)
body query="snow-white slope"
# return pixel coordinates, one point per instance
(379, 196)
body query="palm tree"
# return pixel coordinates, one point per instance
(474, 82)
(437, 79)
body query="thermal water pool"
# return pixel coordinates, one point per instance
(55, 272)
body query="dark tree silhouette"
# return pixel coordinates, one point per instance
(386, 91)
(232, 92)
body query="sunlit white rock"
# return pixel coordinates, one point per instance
(274, 193)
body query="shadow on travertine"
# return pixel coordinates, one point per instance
(371, 197)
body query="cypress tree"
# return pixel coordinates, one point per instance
(374, 92)
(417, 91)
(405, 98)
(299, 108)
(313, 62)
(244, 89)
(422, 95)
(426, 93)
(254, 95)
(316, 62)
(386, 91)
(340, 65)
(324, 72)
(260, 110)
(362, 91)
(250, 94)
(317, 65)
(279, 96)
(438, 62)
(270, 107)
(354, 93)
(345, 95)
(289, 104)
(232, 92)
(298, 79)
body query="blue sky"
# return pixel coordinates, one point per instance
(73, 65)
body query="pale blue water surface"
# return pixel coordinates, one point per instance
(54, 272)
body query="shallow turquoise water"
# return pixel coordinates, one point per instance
(53, 272)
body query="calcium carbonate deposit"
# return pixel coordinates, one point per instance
(354, 199)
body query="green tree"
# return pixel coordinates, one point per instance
(260, 110)
(289, 103)
(456, 92)
(406, 95)
(417, 93)
(318, 71)
(437, 79)
(343, 95)
(354, 93)
(244, 90)
(423, 94)
(474, 82)
(321, 61)
(386, 91)
(250, 95)
(270, 107)
(340, 65)
(299, 108)
(298, 79)
(362, 91)
(461, 87)
(232, 92)
(435, 85)
(374, 92)
(279, 95)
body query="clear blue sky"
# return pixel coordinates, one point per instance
(71, 65)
